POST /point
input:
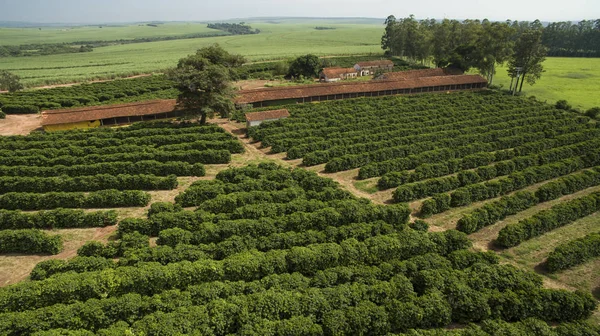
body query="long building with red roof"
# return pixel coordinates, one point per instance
(109, 115)
(345, 90)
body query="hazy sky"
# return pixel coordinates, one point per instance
(102, 11)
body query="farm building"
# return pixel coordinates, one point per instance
(370, 67)
(412, 74)
(334, 91)
(336, 74)
(110, 115)
(257, 118)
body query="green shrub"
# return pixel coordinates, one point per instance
(29, 242)
(20, 109)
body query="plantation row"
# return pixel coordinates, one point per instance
(145, 167)
(381, 151)
(574, 253)
(80, 146)
(219, 143)
(409, 192)
(509, 205)
(368, 132)
(140, 129)
(309, 121)
(518, 157)
(86, 183)
(420, 131)
(29, 242)
(56, 219)
(109, 198)
(48, 171)
(548, 220)
(112, 92)
(437, 156)
(408, 157)
(505, 185)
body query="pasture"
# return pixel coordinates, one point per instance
(576, 80)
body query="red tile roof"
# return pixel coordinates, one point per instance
(305, 91)
(375, 63)
(91, 113)
(411, 74)
(337, 72)
(267, 115)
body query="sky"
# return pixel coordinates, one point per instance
(106, 11)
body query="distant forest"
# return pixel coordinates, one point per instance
(573, 40)
(234, 28)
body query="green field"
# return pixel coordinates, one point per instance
(16, 36)
(276, 41)
(575, 79)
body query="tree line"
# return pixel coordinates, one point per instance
(484, 44)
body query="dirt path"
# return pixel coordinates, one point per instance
(17, 267)
(20, 124)
(254, 151)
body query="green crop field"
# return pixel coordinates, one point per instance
(16, 36)
(276, 41)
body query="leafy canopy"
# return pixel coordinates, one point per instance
(305, 66)
(10, 82)
(204, 79)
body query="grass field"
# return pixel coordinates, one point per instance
(575, 79)
(277, 41)
(16, 36)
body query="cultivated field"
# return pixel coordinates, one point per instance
(276, 41)
(238, 243)
(17, 36)
(483, 161)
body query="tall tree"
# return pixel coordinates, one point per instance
(10, 82)
(388, 35)
(495, 46)
(529, 54)
(204, 79)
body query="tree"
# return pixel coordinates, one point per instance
(388, 36)
(529, 54)
(495, 45)
(203, 80)
(306, 66)
(10, 82)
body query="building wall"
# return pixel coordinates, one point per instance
(258, 122)
(71, 126)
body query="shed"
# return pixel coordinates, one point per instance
(109, 115)
(413, 74)
(336, 74)
(370, 67)
(345, 90)
(257, 118)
